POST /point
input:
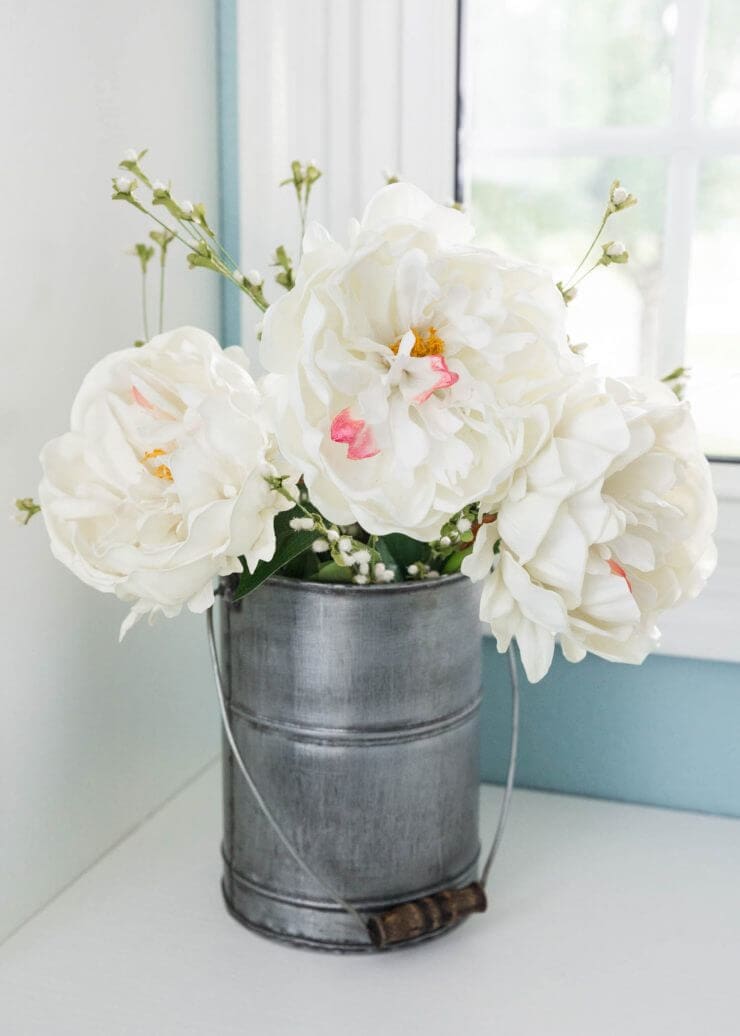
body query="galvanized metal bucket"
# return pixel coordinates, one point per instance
(356, 709)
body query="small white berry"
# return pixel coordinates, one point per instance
(615, 249)
(345, 544)
(619, 195)
(360, 580)
(332, 535)
(464, 525)
(255, 277)
(413, 570)
(445, 541)
(302, 524)
(187, 207)
(130, 155)
(320, 546)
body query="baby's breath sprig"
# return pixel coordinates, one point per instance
(162, 238)
(611, 252)
(24, 509)
(191, 229)
(144, 253)
(285, 278)
(360, 561)
(677, 381)
(455, 540)
(420, 570)
(302, 178)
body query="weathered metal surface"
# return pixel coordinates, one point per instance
(356, 709)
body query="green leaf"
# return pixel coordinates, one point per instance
(331, 572)
(289, 545)
(403, 550)
(454, 561)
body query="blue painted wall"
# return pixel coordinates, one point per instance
(665, 733)
(229, 165)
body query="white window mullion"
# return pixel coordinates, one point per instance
(681, 192)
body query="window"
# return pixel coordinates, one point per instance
(557, 100)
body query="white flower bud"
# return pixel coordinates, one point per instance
(361, 557)
(345, 544)
(255, 277)
(364, 569)
(615, 249)
(332, 535)
(432, 574)
(158, 187)
(619, 195)
(187, 207)
(445, 541)
(464, 525)
(413, 570)
(238, 276)
(301, 524)
(379, 570)
(388, 576)
(123, 184)
(320, 546)
(130, 155)
(360, 580)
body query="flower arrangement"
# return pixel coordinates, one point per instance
(423, 412)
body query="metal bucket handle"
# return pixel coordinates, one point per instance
(405, 921)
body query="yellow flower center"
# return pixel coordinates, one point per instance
(425, 344)
(162, 470)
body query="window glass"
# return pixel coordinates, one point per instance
(543, 64)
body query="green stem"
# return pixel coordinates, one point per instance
(589, 250)
(584, 275)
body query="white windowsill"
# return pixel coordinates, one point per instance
(604, 918)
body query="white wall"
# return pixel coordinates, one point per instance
(92, 735)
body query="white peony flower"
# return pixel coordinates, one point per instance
(159, 486)
(411, 372)
(609, 525)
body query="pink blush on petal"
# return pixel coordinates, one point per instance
(619, 571)
(356, 434)
(447, 378)
(344, 428)
(363, 445)
(141, 399)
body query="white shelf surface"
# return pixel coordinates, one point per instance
(605, 920)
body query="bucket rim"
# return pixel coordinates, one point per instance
(407, 586)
